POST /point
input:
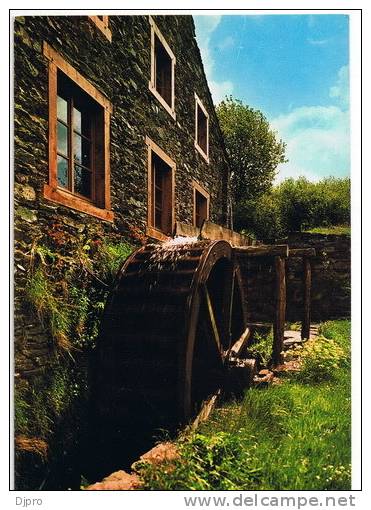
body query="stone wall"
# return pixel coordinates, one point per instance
(121, 71)
(331, 271)
(330, 296)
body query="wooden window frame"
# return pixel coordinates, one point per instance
(151, 231)
(52, 191)
(102, 25)
(198, 103)
(155, 32)
(197, 188)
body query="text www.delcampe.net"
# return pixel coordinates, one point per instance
(257, 500)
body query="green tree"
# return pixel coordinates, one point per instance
(253, 149)
(296, 200)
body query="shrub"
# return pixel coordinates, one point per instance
(294, 205)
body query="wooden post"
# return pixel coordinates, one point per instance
(280, 313)
(307, 282)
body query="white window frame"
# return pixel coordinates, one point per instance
(152, 84)
(198, 102)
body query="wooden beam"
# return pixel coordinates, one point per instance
(203, 415)
(212, 320)
(238, 346)
(307, 282)
(302, 252)
(214, 232)
(264, 250)
(280, 315)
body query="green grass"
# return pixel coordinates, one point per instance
(295, 435)
(331, 229)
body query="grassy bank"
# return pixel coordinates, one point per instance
(332, 229)
(293, 435)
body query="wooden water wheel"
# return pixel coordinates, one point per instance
(169, 324)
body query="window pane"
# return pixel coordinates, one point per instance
(82, 121)
(77, 120)
(62, 109)
(62, 172)
(82, 181)
(86, 124)
(163, 72)
(62, 138)
(81, 150)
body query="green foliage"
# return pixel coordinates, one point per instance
(292, 436)
(111, 255)
(262, 347)
(253, 149)
(321, 359)
(69, 305)
(207, 463)
(40, 405)
(294, 205)
(332, 229)
(339, 331)
(48, 305)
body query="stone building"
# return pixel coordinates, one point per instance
(115, 135)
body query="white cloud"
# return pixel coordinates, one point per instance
(340, 91)
(220, 89)
(227, 42)
(318, 42)
(205, 26)
(317, 139)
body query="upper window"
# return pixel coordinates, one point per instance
(79, 117)
(102, 23)
(201, 129)
(201, 205)
(161, 175)
(162, 82)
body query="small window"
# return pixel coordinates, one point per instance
(201, 205)
(102, 23)
(162, 69)
(201, 129)
(161, 171)
(79, 117)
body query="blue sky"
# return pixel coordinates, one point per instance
(294, 68)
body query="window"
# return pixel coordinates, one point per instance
(201, 205)
(161, 175)
(79, 119)
(201, 129)
(162, 70)
(102, 23)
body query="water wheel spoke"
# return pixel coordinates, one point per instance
(211, 319)
(228, 314)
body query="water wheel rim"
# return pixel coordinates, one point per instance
(216, 251)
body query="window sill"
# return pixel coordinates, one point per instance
(159, 98)
(157, 234)
(68, 200)
(205, 156)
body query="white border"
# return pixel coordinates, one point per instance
(170, 500)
